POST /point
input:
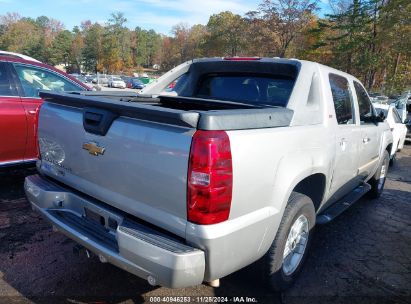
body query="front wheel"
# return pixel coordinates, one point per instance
(285, 258)
(377, 182)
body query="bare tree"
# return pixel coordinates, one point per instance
(284, 20)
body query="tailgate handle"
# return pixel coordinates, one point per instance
(97, 121)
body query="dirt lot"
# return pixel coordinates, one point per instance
(364, 256)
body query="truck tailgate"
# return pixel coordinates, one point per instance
(138, 166)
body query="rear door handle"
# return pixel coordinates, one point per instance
(366, 140)
(32, 112)
(343, 144)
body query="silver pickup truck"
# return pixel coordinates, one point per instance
(233, 163)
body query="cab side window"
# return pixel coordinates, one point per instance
(397, 118)
(367, 114)
(342, 99)
(6, 88)
(34, 80)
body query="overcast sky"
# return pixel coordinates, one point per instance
(159, 15)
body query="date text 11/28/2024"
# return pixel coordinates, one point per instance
(200, 299)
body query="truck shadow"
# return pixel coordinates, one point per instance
(38, 265)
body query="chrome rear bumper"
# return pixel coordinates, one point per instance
(132, 246)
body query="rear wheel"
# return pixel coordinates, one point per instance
(285, 258)
(377, 182)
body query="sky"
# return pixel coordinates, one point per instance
(159, 15)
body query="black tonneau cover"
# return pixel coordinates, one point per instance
(202, 114)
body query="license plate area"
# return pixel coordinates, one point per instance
(94, 217)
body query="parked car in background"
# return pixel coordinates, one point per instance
(380, 99)
(403, 105)
(83, 79)
(21, 80)
(398, 128)
(408, 124)
(146, 80)
(116, 82)
(100, 80)
(90, 78)
(125, 78)
(135, 83)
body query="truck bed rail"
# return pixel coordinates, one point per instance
(202, 114)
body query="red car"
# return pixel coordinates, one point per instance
(20, 82)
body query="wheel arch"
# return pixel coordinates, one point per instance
(312, 186)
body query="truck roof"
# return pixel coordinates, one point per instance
(293, 61)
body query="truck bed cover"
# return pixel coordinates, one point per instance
(203, 114)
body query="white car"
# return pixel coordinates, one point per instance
(399, 129)
(403, 104)
(116, 82)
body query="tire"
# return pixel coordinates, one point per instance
(280, 273)
(377, 182)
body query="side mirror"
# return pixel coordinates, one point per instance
(406, 121)
(381, 117)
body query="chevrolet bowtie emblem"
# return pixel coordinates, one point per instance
(93, 148)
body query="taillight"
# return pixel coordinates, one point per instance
(210, 178)
(36, 130)
(242, 58)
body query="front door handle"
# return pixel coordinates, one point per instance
(366, 140)
(32, 112)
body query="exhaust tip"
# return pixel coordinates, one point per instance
(214, 283)
(151, 280)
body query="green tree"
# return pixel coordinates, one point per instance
(146, 48)
(76, 51)
(226, 34)
(93, 48)
(61, 48)
(22, 36)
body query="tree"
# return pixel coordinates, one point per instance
(181, 33)
(93, 48)
(226, 34)
(61, 48)
(282, 21)
(22, 36)
(76, 56)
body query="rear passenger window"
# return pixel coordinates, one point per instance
(397, 118)
(6, 88)
(367, 115)
(342, 99)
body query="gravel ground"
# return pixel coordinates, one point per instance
(364, 256)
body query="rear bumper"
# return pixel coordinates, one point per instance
(129, 245)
